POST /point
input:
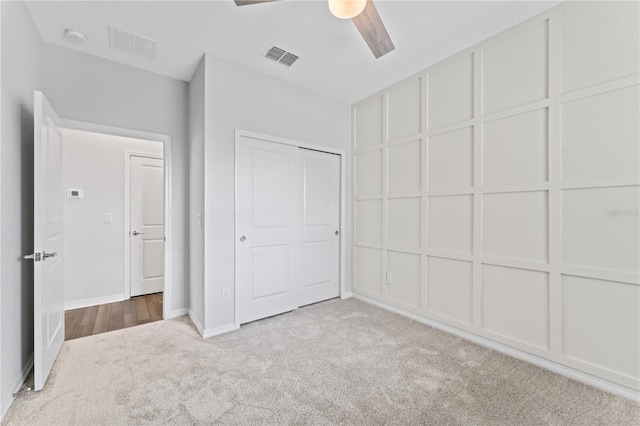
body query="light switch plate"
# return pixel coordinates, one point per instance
(108, 218)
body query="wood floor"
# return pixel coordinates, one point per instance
(112, 316)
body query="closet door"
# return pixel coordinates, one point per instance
(320, 239)
(267, 228)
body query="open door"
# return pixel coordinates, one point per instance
(47, 256)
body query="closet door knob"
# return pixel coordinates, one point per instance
(243, 239)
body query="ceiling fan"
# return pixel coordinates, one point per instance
(363, 13)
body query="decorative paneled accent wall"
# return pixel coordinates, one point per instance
(498, 191)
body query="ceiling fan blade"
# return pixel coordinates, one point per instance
(248, 2)
(373, 31)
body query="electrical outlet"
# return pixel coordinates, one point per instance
(389, 278)
(199, 219)
(226, 293)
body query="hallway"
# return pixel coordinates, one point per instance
(98, 319)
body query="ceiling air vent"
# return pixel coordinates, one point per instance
(281, 56)
(133, 43)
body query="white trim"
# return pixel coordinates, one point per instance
(115, 131)
(346, 295)
(343, 207)
(127, 214)
(178, 313)
(555, 367)
(196, 322)
(291, 142)
(213, 331)
(220, 330)
(8, 399)
(168, 227)
(76, 304)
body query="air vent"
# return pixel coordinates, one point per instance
(281, 56)
(133, 43)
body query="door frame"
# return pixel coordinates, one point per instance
(168, 231)
(127, 215)
(343, 164)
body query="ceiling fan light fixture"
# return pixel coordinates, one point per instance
(346, 9)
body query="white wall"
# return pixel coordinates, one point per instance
(500, 190)
(196, 193)
(239, 98)
(20, 62)
(93, 249)
(87, 88)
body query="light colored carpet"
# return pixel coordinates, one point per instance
(335, 362)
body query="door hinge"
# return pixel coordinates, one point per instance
(36, 257)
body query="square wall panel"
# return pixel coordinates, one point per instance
(601, 323)
(405, 269)
(600, 228)
(451, 159)
(516, 69)
(368, 221)
(515, 304)
(451, 223)
(369, 173)
(450, 92)
(600, 42)
(405, 108)
(368, 271)
(516, 226)
(449, 287)
(404, 222)
(368, 116)
(600, 135)
(404, 167)
(515, 149)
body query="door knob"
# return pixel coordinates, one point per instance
(243, 239)
(134, 233)
(46, 255)
(337, 232)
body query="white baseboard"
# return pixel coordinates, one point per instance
(7, 400)
(196, 322)
(220, 330)
(561, 369)
(93, 301)
(178, 313)
(212, 331)
(346, 295)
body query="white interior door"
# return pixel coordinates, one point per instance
(48, 228)
(267, 226)
(320, 226)
(146, 231)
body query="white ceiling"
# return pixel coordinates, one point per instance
(335, 61)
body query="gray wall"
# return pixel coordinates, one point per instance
(240, 98)
(20, 61)
(86, 88)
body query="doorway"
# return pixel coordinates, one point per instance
(114, 240)
(51, 193)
